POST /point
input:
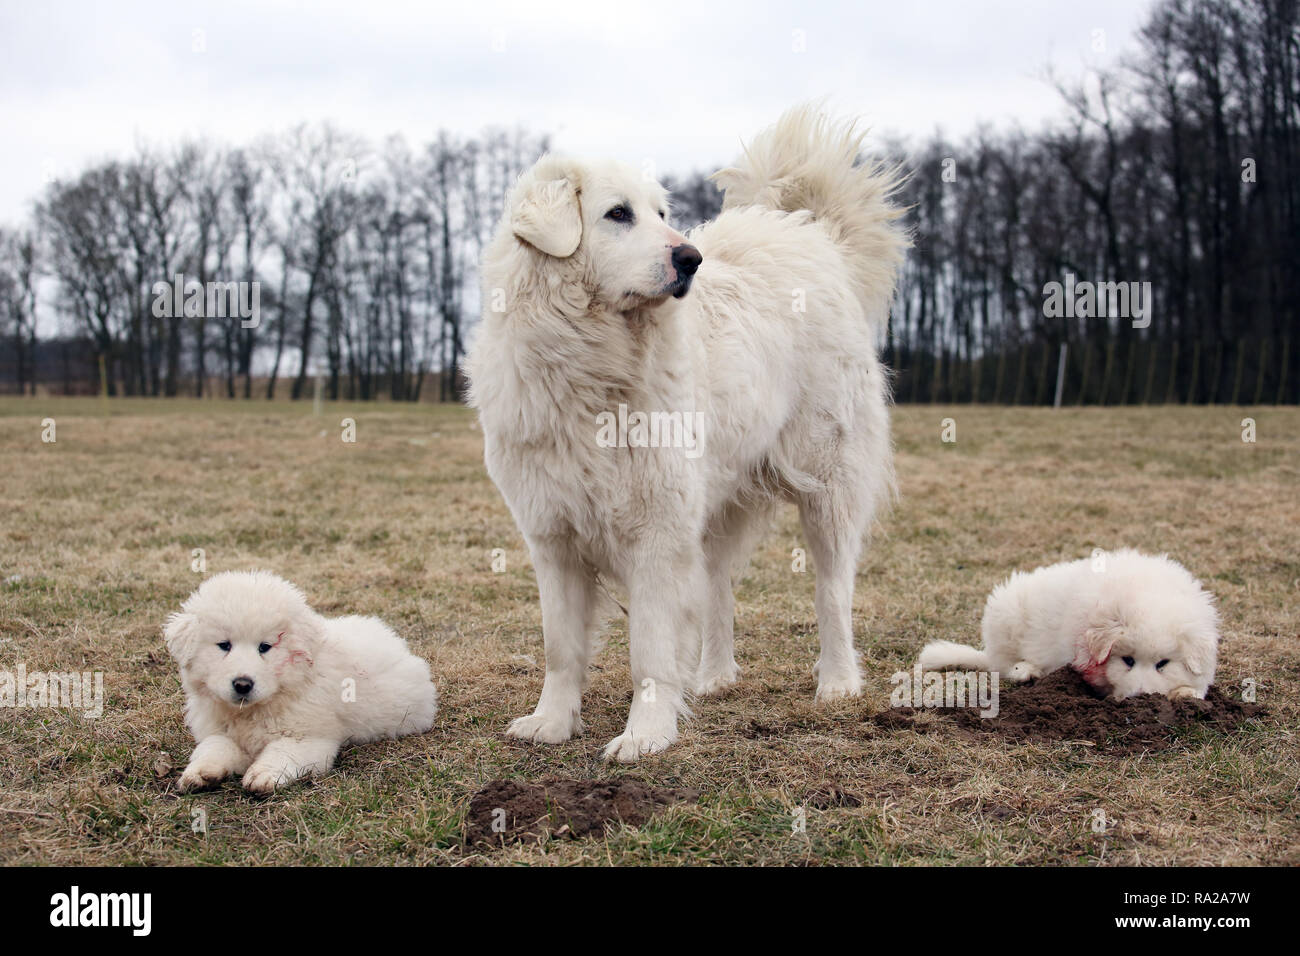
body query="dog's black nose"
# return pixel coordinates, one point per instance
(243, 686)
(686, 259)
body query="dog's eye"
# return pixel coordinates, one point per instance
(263, 647)
(1128, 661)
(224, 645)
(1161, 664)
(620, 213)
(662, 214)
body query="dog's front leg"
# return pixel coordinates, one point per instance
(214, 759)
(568, 608)
(663, 625)
(286, 759)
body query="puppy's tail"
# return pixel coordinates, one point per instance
(808, 161)
(944, 655)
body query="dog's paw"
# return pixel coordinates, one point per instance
(834, 688)
(717, 681)
(545, 728)
(264, 779)
(201, 776)
(1183, 692)
(1022, 671)
(628, 747)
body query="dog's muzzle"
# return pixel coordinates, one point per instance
(686, 259)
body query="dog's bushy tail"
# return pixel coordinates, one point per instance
(808, 161)
(943, 655)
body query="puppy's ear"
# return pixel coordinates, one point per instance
(181, 634)
(547, 216)
(1199, 650)
(1105, 626)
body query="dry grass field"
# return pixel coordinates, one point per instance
(97, 532)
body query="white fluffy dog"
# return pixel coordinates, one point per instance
(273, 690)
(1130, 623)
(743, 363)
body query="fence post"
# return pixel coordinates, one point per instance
(1196, 372)
(1060, 375)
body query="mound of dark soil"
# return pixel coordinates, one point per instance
(507, 811)
(1062, 706)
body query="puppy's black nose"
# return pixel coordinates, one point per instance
(686, 259)
(243, 686)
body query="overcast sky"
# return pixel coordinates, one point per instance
(677, 83)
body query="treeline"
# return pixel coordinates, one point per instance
(360, 256)
(1170, 189)
(1179, 168)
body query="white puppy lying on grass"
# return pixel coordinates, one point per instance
(273, 690)
(1129, 623)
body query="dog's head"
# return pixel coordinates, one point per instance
(1153, 636)
(243, 637)
(609, 221)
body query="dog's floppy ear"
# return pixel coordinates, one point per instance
(1199, 650)
(547, 216)
(1105, 626)
(181, 633)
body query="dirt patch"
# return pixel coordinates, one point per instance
(1061, 706)
(508, 811)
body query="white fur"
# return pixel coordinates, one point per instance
(775, 345)
(1096, 615)
(321, 684)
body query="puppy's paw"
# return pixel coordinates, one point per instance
(201, 776)
(834, 688)
(1022, 671)
(1183, 692)
(264, 779)
(545, 728)
(628, 747)
(717, 681)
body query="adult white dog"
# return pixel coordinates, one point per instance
(1130, 623)
(273, 690)
(743, 362)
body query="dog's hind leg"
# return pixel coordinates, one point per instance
(835, 541)
(569, 604)
(727, 544)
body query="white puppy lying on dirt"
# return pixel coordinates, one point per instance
(273, 690)
(1129, 623)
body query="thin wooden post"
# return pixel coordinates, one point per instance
(1060, 375)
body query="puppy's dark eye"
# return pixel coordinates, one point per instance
(620, 213)
(662, 214)
(224, 645)
(1161, 664)
(1128, 661)
(263, 647)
